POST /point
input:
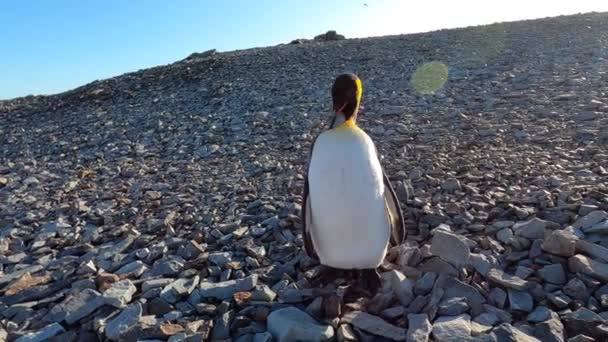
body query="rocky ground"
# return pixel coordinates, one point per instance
(163, 204)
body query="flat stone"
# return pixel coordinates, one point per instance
(132, 269)
(127, 319)
(263, 293)
(178, 289)
(523, 272)
(120, 294)
(539, 314)
(425, 284)
(480, 263)
(531, 229)
(585, 265)
(553, 273)
(581, 338)
(594, 250)
(226, 289)
(262, 337)
(550, 330)
(506, 280)
(291, 324)
(155, 283)
(453, 307)
(75, 307)
(520, 301)
(454, 288)
(43, 334)
(577, 289)
(498, 297)
(589, 220)
(452, 328)
(560, 242)
(582, 320)
(374, 325)
(450, 247)
(419, 328)
(507, 332)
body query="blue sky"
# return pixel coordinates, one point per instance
(51, 46)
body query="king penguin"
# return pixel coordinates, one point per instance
(350, 212)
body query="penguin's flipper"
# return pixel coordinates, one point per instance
(307, 212)
(395, 215)
(307, 223)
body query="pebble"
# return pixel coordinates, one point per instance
(126, 320)
(452, 328)
(43, 334)
(419, 328)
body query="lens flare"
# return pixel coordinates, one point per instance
(429, 78)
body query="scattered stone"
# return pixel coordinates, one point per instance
(291, 324)
(506, 280)
(452, 328)
(450, 248)
(585, 265)
(225, 289)
(419, 328)
(540, 314)
(531, 229)
(43, 334)
(550, 330)
(553, 273)
(119, 294)
(374, 325)
(560, 242)
(520, 301)
(126, 320)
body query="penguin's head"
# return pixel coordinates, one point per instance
(346, 94)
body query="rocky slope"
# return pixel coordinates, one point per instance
(163, 204)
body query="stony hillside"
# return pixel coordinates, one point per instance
(163, 204)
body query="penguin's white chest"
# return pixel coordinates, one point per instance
(350, 227)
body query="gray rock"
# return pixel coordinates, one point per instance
(531, 229)
(167, 268)
(454, 288)
(225, 289)
(221, 325)
(508, 333)
(577, 289)
(127, 319)
(589, 220)
(374, 325)
(75, 307)
(594, 250)
(582, 320)
(560, 242)
(178, 289)
(540, 314)
(451, 185)
(43, 334)
(419, 328)
(119, 294)
(452, 328)
(453, 306)
(498, 297)
(487, 319)
(262, 337)
(550, 330)
(450, 247)
(505, 236)
(291, 324)
(263, 293)
(585, 265)
(425, 284)
(581, 338)
(501, 278)
(155, 283)
(220, 259)
(520, 301)
(135, 269)
(553, 273)
(480, 263)
(523, 272)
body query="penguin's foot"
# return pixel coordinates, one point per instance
(370, 281)
(328, 274)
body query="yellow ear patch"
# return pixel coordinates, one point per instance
(359, 90)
